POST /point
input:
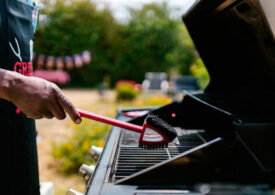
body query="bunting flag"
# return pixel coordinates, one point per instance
(50, 62)
(86, 56)
(57, 66)
(40, 60)
(78, 61)
(69, 62)
(61, 63)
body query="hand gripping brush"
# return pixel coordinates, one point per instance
(155, 133)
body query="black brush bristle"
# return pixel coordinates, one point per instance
(162, 126)
(153, 146)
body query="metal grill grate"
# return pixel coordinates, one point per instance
(132, 159)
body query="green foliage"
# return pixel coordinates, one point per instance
(150, 41)
(198, 69)
(148, 38)
(126, 91)
(69, 29)
(74, 151)
(156, 100)
(184, 55)
(153, 42)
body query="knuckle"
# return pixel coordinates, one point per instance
(37, 117)
(54, 91)
(59, 113)
(48, 116)
(69, 104)
(54, 86)
(60, 96)
(28, 116)
(31, 115)
(61, 116)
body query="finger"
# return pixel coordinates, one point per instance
(48, 115)
(28, 116)
(57, 111)
(36, 116)
(68, 107)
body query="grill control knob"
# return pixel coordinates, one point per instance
(73, 192)
(86, 171)
(95, 152)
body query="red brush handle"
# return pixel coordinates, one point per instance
(110, 121)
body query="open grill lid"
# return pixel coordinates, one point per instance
(235, 39)
(236, 42)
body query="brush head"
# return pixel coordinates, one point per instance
(156, 133)
(162, 126)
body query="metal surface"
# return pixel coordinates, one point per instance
(124, 168)
(133, 159)
(73, 192)
(236, 44)
(201, 155)
(86, 171)
(95, 152)
(182, 162)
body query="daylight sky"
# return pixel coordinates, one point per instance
(119, 7)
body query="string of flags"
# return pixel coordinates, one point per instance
(62, 63)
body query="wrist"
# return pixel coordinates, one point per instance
(8, 83)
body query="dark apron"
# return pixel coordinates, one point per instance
(19, 165)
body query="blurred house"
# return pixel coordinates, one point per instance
(155, 82)
(184, 83)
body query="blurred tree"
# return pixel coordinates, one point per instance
(70, 28)
(184, 55)
(198, 69)
(153, 42)
(150, 41)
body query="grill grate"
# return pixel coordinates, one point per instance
(132, 159)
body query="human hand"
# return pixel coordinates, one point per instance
(38, 98)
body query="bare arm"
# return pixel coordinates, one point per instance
(35, 97)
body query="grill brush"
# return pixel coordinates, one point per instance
(155, 133)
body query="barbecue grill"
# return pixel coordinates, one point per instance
(226, 133)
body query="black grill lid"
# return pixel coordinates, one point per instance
(236, 42)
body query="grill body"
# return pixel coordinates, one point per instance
(218, 160)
